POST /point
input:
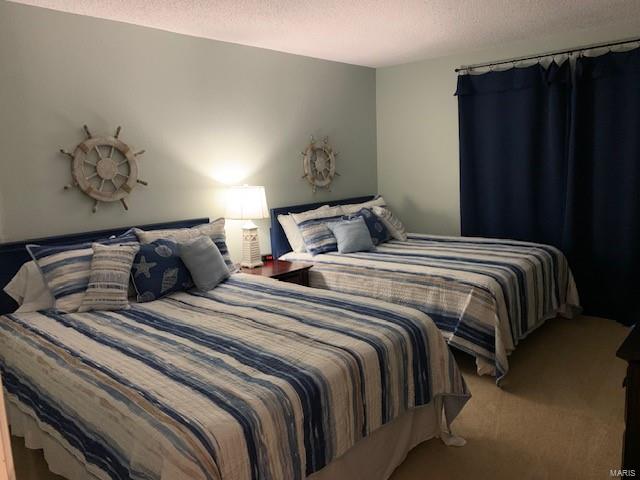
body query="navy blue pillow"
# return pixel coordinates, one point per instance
(378, 231)
(158, 270)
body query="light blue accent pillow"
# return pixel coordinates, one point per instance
(352, 235)
(204, 261)
(377, 229)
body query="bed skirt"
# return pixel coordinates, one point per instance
(373, 458)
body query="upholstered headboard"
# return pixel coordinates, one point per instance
(14, 255)
(279, 243)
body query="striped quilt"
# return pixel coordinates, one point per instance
(256, 379)
(484, 294)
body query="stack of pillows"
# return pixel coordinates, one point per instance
(343, 228)
(105, 275)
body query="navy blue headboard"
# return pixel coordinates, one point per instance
(14, 255)
(279, 243)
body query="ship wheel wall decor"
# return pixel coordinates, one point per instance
(104, 168)
(319, 163)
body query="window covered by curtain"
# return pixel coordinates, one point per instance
(602, 228)
(514, 129)
(551, 159)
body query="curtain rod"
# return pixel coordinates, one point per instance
(548, 54)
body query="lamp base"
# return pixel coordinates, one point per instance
(251, 265)
(251, 257)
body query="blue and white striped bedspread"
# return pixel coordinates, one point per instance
(484, 294)
(256, 379)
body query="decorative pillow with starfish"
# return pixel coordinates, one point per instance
(158, 271)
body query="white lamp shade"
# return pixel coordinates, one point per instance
(246, 203)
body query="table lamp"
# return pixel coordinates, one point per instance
(248, 203)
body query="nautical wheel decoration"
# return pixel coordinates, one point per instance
(319, 163)
(104, 168)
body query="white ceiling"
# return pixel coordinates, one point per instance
(363, 32)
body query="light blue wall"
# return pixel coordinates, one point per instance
(417, 117)
(208, 114)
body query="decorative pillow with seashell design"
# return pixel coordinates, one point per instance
(158, 271)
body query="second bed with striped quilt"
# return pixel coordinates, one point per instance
(484, 294)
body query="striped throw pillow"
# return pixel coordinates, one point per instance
(313, 228)
(292, 232)
(214, 230)
(109, 280)
(66, 269)
(393, 223)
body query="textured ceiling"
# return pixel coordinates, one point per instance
(363, 32)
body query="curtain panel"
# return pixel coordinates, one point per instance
(549, 158)
(514, 128)
(602, 226)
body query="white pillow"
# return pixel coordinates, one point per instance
(356, 207)
(214, 230)
(292, 231)
(28, 289)
(318, 214)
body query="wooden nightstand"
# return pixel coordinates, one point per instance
(292, 272)
(630, 352)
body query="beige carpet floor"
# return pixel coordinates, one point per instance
(559, 414)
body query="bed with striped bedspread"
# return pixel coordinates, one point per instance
(256, 379)
(484, 294)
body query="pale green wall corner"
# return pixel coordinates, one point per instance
(417, 121)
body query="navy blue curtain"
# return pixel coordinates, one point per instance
(514, 129)
(549, 158)
(602, 228)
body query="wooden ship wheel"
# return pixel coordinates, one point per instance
(319, 162)
(104, 168)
